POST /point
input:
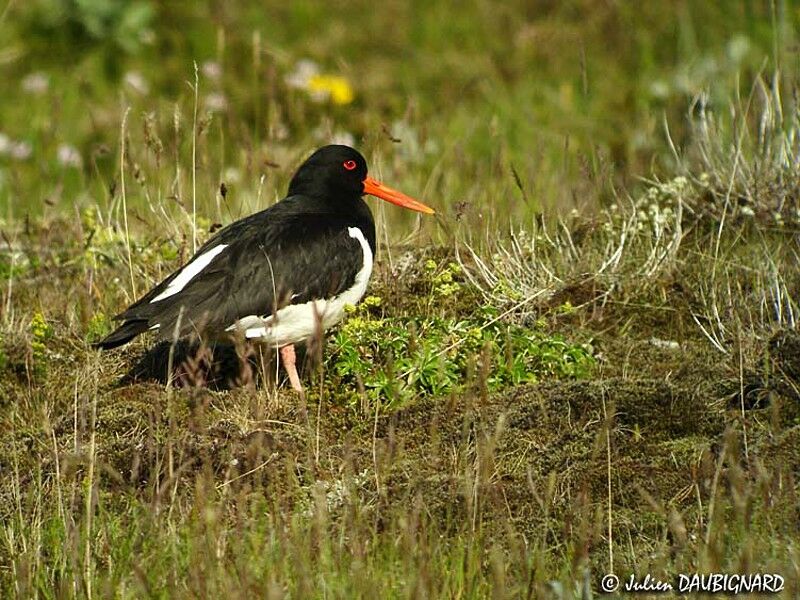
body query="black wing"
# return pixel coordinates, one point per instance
(280, 256)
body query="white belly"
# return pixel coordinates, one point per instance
(299, 322)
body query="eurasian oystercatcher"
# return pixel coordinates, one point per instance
(279, 276)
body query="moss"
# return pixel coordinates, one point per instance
(557, 430)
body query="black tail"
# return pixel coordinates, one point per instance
(122, 334)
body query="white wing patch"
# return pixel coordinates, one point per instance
(189, 272)
(299, 322)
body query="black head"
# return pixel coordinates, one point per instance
(339, 174)
(335, 172)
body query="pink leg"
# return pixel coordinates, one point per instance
(289, 364)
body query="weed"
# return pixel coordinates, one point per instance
(40, 332)
(400, 358)
(98, 327)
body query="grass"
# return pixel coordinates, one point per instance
(532, 396)
(573, 99)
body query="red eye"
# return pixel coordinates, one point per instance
(349, 165)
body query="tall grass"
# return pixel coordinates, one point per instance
(678, 455)
(570, 96)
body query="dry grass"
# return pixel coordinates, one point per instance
(673, 458)
(678, 454)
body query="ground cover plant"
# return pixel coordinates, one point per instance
(589, 363)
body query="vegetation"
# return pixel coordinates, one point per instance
(398, 358)
(588, 363)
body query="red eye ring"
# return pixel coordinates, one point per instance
(349, 165)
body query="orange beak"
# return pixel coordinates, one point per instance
(376, 188)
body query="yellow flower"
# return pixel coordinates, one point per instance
(337, 88)
(446, 277)
(455, 268)
(372, 301)
(40, 329)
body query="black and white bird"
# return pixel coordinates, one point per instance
(279, 276)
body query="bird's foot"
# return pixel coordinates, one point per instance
(290, 365)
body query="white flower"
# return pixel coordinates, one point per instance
(35, 83)
(216, 102)
(21, 150)
(304, 70)
(279, 131)
(232, 175)
(69, 156)
(212, 70)
(14, 149)
(679, 185)
(738, 48)
(137, 82)
(659, 89)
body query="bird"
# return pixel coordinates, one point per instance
(279, 276)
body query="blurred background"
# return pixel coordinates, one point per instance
(490, 111)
